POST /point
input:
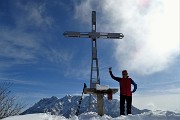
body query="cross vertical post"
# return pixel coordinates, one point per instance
(94, 78)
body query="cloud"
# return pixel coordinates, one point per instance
(151, 106)
(23, 39)
(36, 14)
(20, 47)
(17, 47)
(160, 102)
(83, 10)
(58, 56)
(22, 82)
(151, 30)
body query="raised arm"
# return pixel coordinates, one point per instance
(112, 76)
(135, 86)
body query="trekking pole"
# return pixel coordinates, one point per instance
(77, 112)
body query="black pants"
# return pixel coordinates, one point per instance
(128, 100)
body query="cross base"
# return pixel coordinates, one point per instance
(100, 94)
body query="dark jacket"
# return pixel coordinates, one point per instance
(125, 85)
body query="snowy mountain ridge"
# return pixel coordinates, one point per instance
(67, 106)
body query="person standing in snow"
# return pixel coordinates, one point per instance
(125, 90)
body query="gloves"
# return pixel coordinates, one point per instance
(133, 91)
(110, 68)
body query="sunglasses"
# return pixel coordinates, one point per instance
(124, 74)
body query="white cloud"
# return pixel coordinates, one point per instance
(22, 44)
(151, 38)
(20, 47)
(151, 30)
(158, 97)
(84, 9)
(58, 56)
(160, 102)
(151, 106)
(36, 14)
(17, 46)
(23, 82)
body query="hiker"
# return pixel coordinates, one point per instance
(125, 90)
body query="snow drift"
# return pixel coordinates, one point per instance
(156, 115)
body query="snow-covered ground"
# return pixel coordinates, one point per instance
(156, 115)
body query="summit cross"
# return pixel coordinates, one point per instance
(94, 77)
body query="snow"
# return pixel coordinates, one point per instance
(102, 87)
(156, 115)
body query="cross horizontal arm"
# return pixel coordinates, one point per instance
(94, 35)
(76, 34)
(111, 35)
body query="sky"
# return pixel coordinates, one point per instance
(41, 62)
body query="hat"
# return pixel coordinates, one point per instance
(124, 72)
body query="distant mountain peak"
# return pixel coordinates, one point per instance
(68, 95)
(54, 97)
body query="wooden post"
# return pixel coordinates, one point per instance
(100, 104)
(100, 94)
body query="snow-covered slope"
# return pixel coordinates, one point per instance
(157, 115)
(67, 106)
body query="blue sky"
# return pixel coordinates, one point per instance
(41, 62)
